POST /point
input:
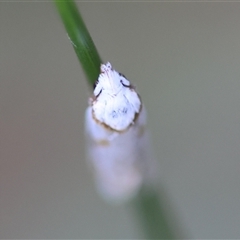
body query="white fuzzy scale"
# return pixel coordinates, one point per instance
(116, 103)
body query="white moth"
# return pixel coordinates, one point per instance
(115, 122)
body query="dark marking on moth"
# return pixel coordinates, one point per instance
(124, 84)
(95, 84)
(124, 110)
(99, 94)
(114, 114)
(121, 75)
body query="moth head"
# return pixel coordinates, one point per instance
(110, 81)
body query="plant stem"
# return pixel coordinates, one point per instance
(152, 215)
(80, 38)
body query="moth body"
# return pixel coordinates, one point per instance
(115, 123)
(115, 103)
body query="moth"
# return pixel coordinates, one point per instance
(117, 142)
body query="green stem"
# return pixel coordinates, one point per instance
(152, 215)
(80, 38)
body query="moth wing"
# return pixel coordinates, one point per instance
(119, 162)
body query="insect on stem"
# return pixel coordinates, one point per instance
(117, 142)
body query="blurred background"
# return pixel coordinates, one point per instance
(184, 59)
